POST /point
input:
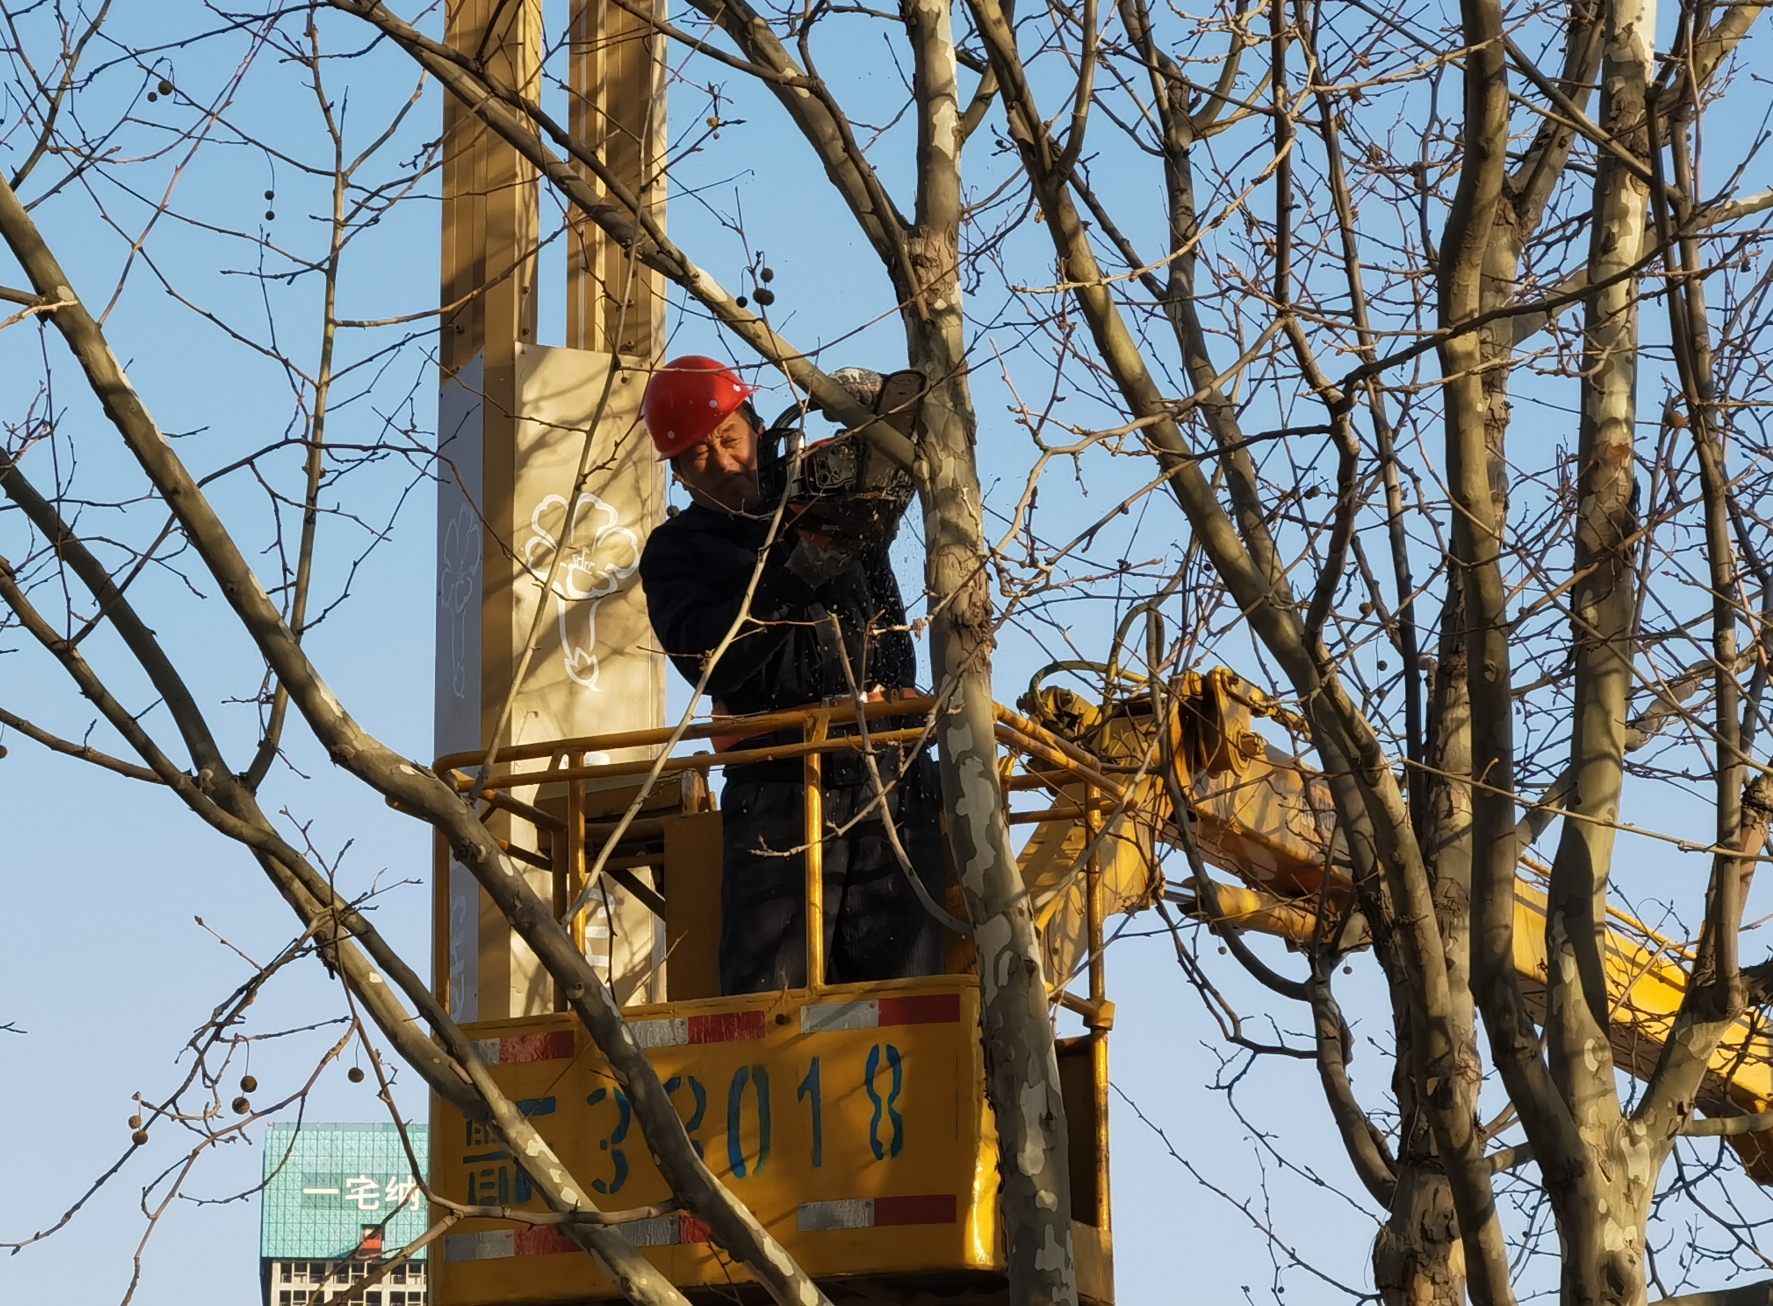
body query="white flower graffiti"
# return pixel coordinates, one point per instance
(458, 590)
(597, 555)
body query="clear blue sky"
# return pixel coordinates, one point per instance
(104, 962)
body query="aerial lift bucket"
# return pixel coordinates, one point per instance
(851, 1118)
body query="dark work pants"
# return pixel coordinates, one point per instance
(875, 927)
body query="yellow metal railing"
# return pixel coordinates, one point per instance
(823, 730)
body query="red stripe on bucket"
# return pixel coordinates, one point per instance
(921, 1009)
(935, 1209)
(518, 1048)
(726, 1027)
(542, 1240)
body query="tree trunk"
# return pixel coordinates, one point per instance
(1418, 1259)
(1021, 1064)
(1602, 1212)
(1601, 1200)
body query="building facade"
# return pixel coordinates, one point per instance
(341, 1204)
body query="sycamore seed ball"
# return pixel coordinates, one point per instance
(248, 1084)
(139, 1137)
(241, 1106)
(355, 1074)
(135, 1122)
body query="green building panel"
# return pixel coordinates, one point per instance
(328, 1187)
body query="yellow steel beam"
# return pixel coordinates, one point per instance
(616, 75)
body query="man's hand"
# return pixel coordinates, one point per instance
(820, 556)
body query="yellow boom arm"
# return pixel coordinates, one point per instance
(1265, 817)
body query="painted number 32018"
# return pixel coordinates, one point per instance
(748, 1114)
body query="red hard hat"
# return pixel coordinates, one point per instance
(687, 398)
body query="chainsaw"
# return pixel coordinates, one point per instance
(843, 485)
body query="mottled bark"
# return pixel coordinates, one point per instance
(1418, 1255)
(1022, 1067)
(1600, 1190)
(1418, 1259)
(1476, 553)
(1021, 1063)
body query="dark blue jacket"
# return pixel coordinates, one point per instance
(695, 570)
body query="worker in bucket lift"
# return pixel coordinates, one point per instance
(788, 653)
